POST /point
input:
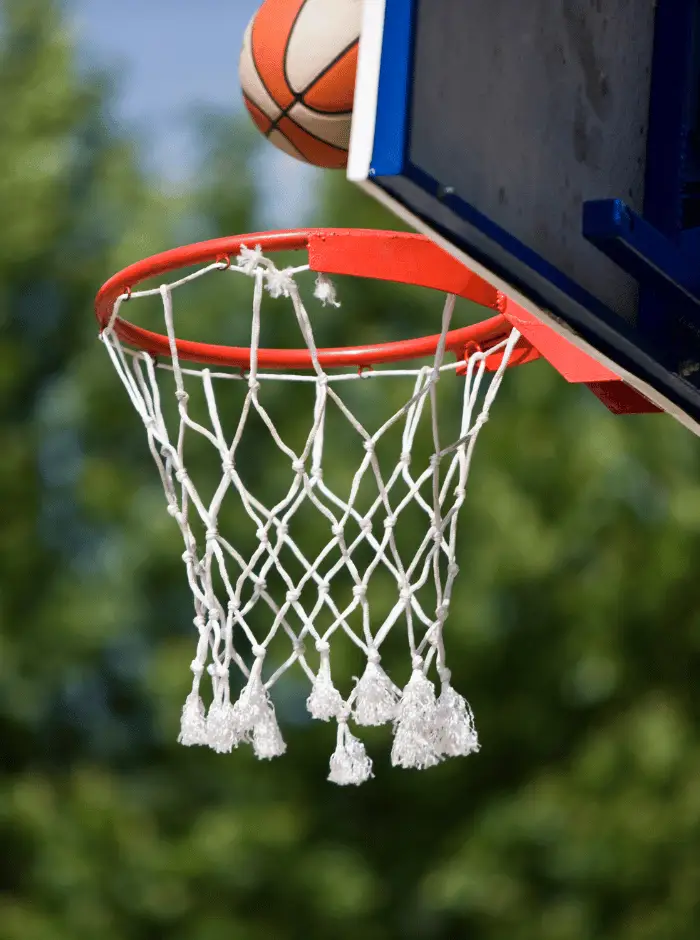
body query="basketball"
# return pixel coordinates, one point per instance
(297, 72)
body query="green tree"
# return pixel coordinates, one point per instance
(574, 630)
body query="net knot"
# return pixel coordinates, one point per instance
(211, 536)
(434, 460)
(149, 423)
(279, 283)
(445, 675)
(249, 259)
(369, 446)
(323, 587)
(258, 651)
(406, 593)
(299, 647)
(173, 510)
(366, 526)
(405, 459)
(253, 385)
(373, 655)
(453, 569)
(443, 610)
(298, 466)
(417, 661)
(189, 558)
(337, 530)
(359, 592)
(218, 670)
(292, 597)
(227, 467)
(436, 535)
(260, 586)
(181, 475)
(182, 396)
(262, 536)
(390, 522)
(322, 381)
(197, 667)
(322, 646)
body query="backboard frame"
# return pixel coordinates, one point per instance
(659, 354)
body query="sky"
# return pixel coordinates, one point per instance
(169, 58)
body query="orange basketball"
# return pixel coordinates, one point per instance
(297, 72)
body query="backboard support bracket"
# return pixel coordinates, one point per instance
(661, 248)
(657, 263)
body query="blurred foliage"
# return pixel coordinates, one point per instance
(575, 626)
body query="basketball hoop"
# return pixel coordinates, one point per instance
(230, 590)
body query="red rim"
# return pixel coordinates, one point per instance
(391, 256)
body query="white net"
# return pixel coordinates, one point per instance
(266, 599)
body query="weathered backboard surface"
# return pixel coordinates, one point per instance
(553, 145)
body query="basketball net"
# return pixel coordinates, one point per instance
(230, 589)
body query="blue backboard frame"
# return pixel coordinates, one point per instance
(660, 354)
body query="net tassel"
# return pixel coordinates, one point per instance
(325, 701)
(376, 696)
(414, 729)
(267, 737)
(193, 723)
(349, 764)
(325, 291)
(254, 714)
(455, 733)
(223, 733)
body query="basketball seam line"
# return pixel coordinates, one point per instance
(249, 101)
(262, 80)
(320, 140)
(272, 128)
(286, 44)
(299, 98)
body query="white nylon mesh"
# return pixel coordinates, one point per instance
(247, 603)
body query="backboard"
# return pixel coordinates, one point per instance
(555, 149)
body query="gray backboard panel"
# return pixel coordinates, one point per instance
(546, 104)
